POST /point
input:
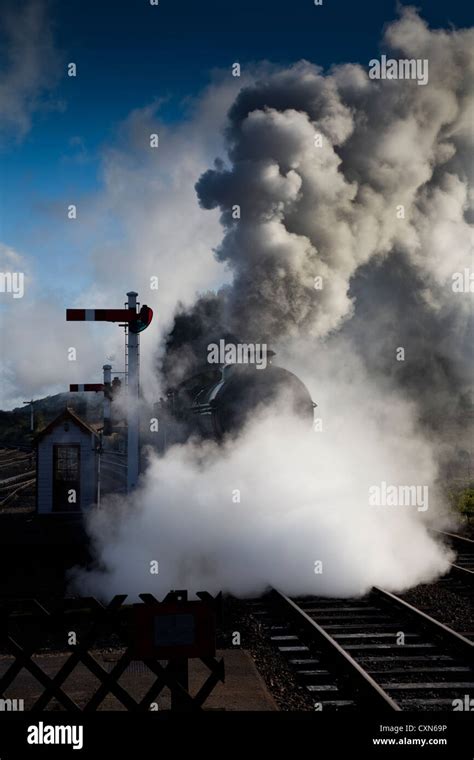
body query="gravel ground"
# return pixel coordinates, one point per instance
(453, 609)
(279, 678)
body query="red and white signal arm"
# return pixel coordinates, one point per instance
(100, 315)
(136, 322)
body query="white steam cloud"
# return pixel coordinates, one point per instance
(304, 499)
(390, 173)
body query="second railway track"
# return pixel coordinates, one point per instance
(460, 580)
(464, 548)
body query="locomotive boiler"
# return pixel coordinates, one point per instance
(220, 400)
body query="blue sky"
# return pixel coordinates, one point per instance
(130, 53)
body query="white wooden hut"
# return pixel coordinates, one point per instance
(66, 465)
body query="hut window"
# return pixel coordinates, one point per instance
(67, 463)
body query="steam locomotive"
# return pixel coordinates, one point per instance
(219, 400)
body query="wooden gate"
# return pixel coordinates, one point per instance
(22, 631)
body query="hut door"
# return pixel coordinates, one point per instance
(66, 478)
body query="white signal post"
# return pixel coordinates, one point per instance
(133, 416)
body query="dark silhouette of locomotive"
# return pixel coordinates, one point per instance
(219, 400)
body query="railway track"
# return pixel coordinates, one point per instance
(7, 483)
(375, 652)
(9, 448)
(12, 486)
(15, 459)
(461, 577)
(12, 482)
(19, 489)
(464, 548)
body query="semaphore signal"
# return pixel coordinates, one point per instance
(135, 322)
(106, 388)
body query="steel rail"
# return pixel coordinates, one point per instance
(361, 679)
(354, 642)
(442, 632)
